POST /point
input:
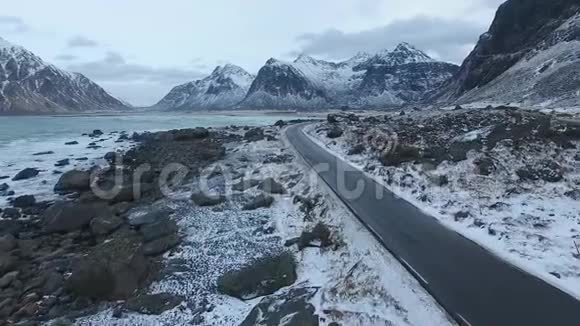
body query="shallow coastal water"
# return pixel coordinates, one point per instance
(22, 137)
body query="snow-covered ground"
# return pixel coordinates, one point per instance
(359, 282)
(533, 224)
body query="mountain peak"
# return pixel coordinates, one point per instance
(303, 58)
(405, 46)
(229, 69)
(4, 43)
(273, 61)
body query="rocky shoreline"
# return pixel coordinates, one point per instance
(235, 234)
(62, 259)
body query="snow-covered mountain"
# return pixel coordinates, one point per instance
(28, 85)
(225, 87)
(281, 85)
(530, 56)
(384, 79)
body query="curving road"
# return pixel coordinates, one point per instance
(474, 286)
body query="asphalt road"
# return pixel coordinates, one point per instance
(474, 286)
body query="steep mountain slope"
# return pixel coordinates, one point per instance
(531, 55)
(28, 85)
(225, 87)
(384, 79)
(281, 85)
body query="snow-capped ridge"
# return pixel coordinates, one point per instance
(30, 85)
(222, 89)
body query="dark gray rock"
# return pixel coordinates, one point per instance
(202, 199)
(7, 263)
(291, 308)
(53, 281)
(155, 215)
(357, 149)
(7, 243)
(272, 186)
(549, 171)
(105, 223)
(24, 201)
(255, 134)
(26, 174)
(43, 153)
(113, 270)
(73, 181)
(153, 304)
(334, 132)
(69, 216)
(159, 246)
(12, 213)
(320, 233)
(261, 277)
(485, 166)
(190, 134)
(158, 230)
(401, 154)
(260, 201)
(245, 184)
(62, 163)
(8, 278)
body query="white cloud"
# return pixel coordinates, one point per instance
(82, 42)
(13, 24)
(114, 70)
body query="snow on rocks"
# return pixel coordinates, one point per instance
(348, 279)
(503, 177)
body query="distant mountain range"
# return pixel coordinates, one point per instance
(530, 56)
(367, 80)
(28, 85)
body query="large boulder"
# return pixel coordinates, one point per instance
(139, 218)
(260, 201)
(291, 308)
(272, 186)
(401, 154)
(161, 245)
(113, 270)
(128, 192)
(153, 304)
(245, 184)
(7, 243)
(105, 223)
(159, 229)
(26, 174)
(259, 278)
(334, 132)
(190, 134)
(255, 134)
(70, 216)
(320, 236)
(73, 181)
(24, 201)
(549, 171)
(203, 199)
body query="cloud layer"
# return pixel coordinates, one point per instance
(114, 70)
(12, 24)
(446, 39)
(82, 42)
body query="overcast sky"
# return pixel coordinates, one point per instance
(139, 49)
